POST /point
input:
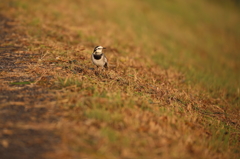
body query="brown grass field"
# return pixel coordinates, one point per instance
(172, 89)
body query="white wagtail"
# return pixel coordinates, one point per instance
(98, 58)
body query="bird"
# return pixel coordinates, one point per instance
(98, 57)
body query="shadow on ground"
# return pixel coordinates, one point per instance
(22, 105)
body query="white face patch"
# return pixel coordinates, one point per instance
(99, 50)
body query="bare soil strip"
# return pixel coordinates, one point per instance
(22, 105)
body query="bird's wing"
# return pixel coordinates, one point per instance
(105, 59)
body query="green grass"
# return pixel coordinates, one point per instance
(187, 41)
(199, 39)
(22, 83)
(69, 81)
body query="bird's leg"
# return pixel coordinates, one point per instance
(101, 70)
(105, 70)
(96, 71)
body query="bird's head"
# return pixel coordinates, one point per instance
(98, 50)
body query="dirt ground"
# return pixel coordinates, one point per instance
(22, 110)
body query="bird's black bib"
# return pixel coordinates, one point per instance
(97, 57)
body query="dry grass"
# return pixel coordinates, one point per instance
(136, 109)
